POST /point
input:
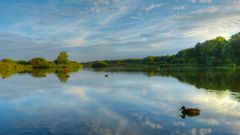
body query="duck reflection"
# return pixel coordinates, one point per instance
(190, 112)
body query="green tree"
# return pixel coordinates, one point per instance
(100, 64)
(186, 56)
(234, 49)
(150, 59)
(62, 58)
(210, 52)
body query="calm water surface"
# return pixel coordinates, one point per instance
(125, 103)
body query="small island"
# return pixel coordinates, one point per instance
(39, 67)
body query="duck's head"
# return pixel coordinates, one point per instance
(182, 108)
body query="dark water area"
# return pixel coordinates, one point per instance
(122, 103)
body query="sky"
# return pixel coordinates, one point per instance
(111, 29)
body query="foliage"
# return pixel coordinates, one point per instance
(150, 59)
(233, 49)
(100, 64)
(217, 52)
(40, 63)
(6, 60)
(22, 62)
(39, 67)
(62, 58)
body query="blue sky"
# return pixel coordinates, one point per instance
(111, 29)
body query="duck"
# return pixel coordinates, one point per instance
(190, 112)
(106, 75)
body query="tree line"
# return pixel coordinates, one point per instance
(217, 52)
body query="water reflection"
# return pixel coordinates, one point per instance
(220, 79)
(215, 79)
(124, 103)
(61, 73)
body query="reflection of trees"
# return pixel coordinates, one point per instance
(151, 73)
(39, 73)
(62, 73)
(221, 79)
(6, 74)
(62, 76)
(212, 79)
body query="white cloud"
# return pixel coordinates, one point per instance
(209, 121)
(152, 124)
(193, 131)
(214, 27)
(152, 6)
(202, 1)
(179, 124)
(223, 104)
(202, 131)
(207, 10)
(80, 92)
(159, 45)
(77, 41)
(136, 18)
(209, 22)
(179, 7)
(115, 15)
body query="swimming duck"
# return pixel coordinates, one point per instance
(106, 75)
(190, 112)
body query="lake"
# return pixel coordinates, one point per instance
(124, 103)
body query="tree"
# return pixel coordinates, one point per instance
(150, 59)
(100, 64)
(62, 58)
(234, 48)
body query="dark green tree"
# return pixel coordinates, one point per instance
(234, 49)
(100, 64)
(150, 59)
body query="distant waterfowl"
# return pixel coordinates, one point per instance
(190, 112)
(106, 75)
(67, 76)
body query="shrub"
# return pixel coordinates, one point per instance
(100, 64)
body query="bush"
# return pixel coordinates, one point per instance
(100, 64)
(8, 61)
(40, 62)
(22, 62)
